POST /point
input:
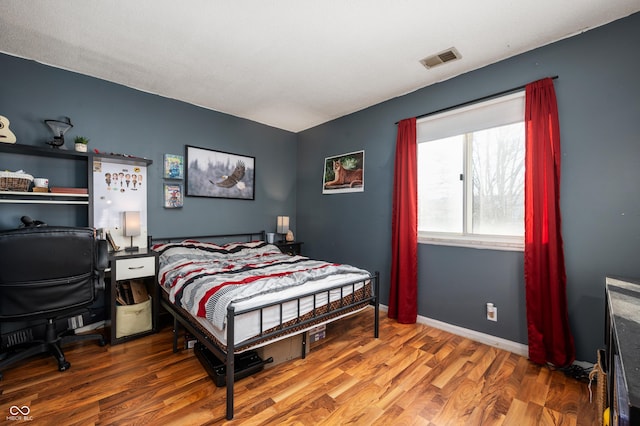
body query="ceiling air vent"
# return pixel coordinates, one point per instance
(440, 58)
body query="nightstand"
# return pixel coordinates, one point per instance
(132, 294)
(292, 248)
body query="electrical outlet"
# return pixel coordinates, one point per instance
(492, 312)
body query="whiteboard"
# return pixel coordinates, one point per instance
(119, 187)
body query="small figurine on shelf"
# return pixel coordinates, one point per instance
(289, 237)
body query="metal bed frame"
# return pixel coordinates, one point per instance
(300, 326)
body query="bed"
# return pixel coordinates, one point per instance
(235, 292)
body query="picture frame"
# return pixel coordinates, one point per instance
(343, 173)
(219, 174)
(173, 166)
(173, 195)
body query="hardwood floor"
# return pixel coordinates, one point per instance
(411, 375)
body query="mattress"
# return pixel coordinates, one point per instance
(268, 290)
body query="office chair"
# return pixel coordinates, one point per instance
(48, 273)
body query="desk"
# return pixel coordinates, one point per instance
(623, 349)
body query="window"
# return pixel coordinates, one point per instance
(471, 175)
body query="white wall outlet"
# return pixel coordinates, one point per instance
(492, 312)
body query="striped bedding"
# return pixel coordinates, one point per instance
(205, 278)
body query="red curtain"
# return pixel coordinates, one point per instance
(550, 339)
(403, 297)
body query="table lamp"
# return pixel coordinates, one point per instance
(283, 225)
(131, 228)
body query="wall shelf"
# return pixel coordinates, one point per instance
(16, 148)
(70, 154)
(84, 160)
(15, 197)
(66, 203)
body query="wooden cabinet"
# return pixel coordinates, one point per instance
(132, 295)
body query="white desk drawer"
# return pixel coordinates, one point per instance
(136, 267)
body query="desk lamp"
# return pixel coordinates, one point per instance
(59, 128)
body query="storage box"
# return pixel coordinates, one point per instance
(139, 291)
(317, 333)
(283, 350)
(245, 363)
(132, 319)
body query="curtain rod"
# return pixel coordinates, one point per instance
(484, 98)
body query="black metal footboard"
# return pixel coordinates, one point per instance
(345, 305)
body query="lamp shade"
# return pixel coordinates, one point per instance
(59, 128)
(283, 224)
(131, 224)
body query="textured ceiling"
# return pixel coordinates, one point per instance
(291, 64)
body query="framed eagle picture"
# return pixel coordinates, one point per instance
(219, 174)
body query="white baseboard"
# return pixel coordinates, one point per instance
(487, 339)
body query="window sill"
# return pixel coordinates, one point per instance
(484, 242)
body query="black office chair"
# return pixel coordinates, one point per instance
(48, 273)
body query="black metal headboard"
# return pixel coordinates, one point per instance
(218, 238)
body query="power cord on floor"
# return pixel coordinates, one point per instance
(577, 372)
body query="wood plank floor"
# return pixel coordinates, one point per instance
(411, 375)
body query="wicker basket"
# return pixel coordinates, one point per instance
(12, 181)
(600, 376)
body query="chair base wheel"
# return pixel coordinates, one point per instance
(63, 366)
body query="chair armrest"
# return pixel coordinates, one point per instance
(102, 262)
(102, 255)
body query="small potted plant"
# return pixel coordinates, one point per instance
(81, 143)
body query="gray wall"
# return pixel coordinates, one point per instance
(122, 120)
(598, 92)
